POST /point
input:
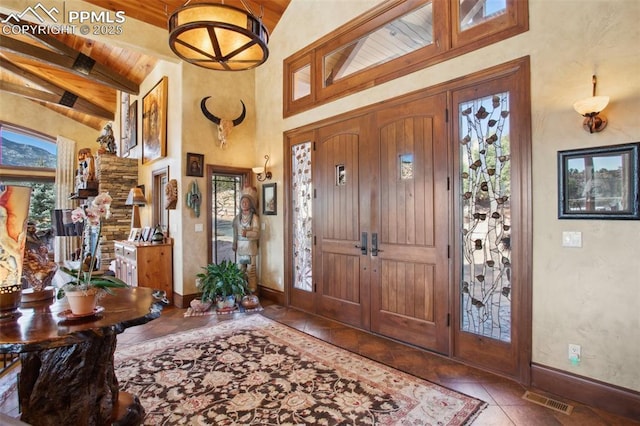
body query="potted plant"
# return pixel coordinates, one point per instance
(222, 283)
(84, 288)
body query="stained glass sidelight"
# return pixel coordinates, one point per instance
(485, 191)
(302, 214)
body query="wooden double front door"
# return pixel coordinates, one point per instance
(381, 223)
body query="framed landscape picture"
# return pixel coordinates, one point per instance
(154, 122)
(599, 183)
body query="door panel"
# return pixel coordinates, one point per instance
(410, 276)
(340, 264)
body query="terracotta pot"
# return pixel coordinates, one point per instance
(82, 302)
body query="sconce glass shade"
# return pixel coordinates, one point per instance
(591, 105)
(218, 37)
(261, 171)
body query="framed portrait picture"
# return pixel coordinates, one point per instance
(144, 235)
(269, 199)
(134, 234)
(599, 183)
(154, 122)
(195, 164)
(132, 136)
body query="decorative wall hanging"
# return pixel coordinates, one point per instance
(154, 122)
(269, 199)
(132, 134)
(224, 126)
(124, 123)
(599, 183)
(194, 198)
(171, 194)
(195, 164)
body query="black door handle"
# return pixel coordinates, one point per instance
(363, 243)
(374, 244)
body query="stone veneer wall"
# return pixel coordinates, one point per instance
(116, 176)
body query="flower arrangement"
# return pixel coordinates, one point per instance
(91, 216)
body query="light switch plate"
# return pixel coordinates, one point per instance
(199, 227)
(571, 239)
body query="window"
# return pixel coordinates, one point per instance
(23, 149)
(394, 39)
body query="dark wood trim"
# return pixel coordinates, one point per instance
(516, 21)
(614, 399)
(182, 302)
(275, 296)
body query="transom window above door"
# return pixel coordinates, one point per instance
(394, 39)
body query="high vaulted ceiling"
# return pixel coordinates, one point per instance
(49, 69)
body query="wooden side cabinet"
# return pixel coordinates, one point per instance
(145, 265)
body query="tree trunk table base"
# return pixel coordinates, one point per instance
(75, 385)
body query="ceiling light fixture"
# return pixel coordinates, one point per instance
(218, 37)
(590, 108)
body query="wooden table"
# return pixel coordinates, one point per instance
(67, 373)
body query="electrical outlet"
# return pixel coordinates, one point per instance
(574, 353)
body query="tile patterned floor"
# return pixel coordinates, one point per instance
(506, 406)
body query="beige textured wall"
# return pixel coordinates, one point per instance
(200, 136)
(31, 115)
(588, 296)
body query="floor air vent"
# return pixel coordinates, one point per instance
(548, 402)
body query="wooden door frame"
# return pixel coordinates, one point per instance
(522, 182)
(213, 169)
(519, 71)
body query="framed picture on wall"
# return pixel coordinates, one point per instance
(599, 183)
(269, 199)
(195, 164)
(154, 122)
(124, 123)
(132, 136)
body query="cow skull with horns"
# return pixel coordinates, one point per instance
(224, 126)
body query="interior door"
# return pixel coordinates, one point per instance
(410, 224)
(342, 206)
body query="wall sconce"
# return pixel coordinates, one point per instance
(135, 199)
(590, 108)
(262, 172)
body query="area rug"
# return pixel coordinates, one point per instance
(254, 371)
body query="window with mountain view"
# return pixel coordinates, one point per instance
(19, 148)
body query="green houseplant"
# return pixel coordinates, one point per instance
(222, 283)
(84, 285)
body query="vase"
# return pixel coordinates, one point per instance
(14, 210)
(82, 302)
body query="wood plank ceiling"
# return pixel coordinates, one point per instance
(44, 68)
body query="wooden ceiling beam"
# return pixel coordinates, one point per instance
(56, 95)
(69, 60)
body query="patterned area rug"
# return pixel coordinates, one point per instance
(254, 371)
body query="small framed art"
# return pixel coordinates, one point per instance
(195, 164)
(599, 183)
(269, 199)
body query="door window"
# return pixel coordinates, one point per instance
(301, 203)
(485, 212)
